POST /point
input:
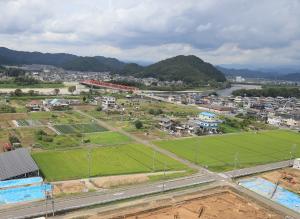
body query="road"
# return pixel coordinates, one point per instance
(75, 202)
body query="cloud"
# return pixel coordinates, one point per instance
(261, 32)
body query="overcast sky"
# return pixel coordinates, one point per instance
(257, 33)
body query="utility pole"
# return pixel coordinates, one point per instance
(46, 199)
(89, 161)
(153, 160)
(164, 176)
(52, 200)
(236, 160)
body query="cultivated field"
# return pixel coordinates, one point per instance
(108, 138)
(79, 128)
(114, 160)
(221, 153)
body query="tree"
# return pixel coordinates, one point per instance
(71, 89)
(56, 91)
(138, 124)
(18, 92)
(31, 92)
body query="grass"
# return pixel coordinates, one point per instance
(40, 85)
(108, 138)
(126, 159)
(219, 153)
(59, 142)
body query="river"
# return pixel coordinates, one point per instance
(228, 91)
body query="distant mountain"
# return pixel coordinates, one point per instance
(189, 69)
(66, 61)
(290, 77)
(247, 73)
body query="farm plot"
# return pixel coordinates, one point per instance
(67, 117)
(221, 153)
(126, 159)
(79, 128)
(28, 122)
(107, 138)
(89, 128)
(65, 129)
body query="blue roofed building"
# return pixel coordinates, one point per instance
(206, 122)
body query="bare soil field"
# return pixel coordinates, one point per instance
(13, 116)
(217, 203)
(288, 178)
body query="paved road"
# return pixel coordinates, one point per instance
(257, 169)
(76, 202)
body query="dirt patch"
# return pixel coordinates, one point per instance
(222, 204)
(85, 108)
(288, 178)
(13, 116)
(69, 188)
(114, 181)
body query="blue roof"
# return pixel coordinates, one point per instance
(207, 114)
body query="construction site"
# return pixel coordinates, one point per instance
(206, 203)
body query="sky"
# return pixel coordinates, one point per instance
(259, 33)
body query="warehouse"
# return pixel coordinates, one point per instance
(17, 164)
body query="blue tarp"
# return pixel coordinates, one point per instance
(23, 194)
(20, 182)
(266, 188)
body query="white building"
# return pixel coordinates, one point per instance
(239, 79)
(276, 121)
(108, 102)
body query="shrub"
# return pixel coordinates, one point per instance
(138, 124)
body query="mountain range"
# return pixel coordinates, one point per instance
(189, 69)
(249, 73)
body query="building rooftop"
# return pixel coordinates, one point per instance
(16, 163)
(208, 114)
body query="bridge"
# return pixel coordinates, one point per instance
(108, 85)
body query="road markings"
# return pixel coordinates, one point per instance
(118, 194)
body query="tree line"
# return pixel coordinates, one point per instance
(269, 92)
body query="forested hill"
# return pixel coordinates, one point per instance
(63, 60)
(189, 69)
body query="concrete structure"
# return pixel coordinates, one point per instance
(296, 164)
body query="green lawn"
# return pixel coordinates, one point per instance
(248, 149)
(108, 138)
(126, 159)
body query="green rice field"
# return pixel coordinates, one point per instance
(226, 152)
(114, 160)
(108, 138)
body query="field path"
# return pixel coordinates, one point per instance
(147, 143)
